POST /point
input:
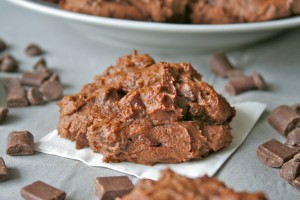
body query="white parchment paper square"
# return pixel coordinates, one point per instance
(247, 115)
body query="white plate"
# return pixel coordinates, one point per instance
(161, 37)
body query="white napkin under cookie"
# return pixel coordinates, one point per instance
(247, 115)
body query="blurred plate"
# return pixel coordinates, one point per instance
(162, 37)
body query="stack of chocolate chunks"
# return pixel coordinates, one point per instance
(286, 120)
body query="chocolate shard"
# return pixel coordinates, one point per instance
(16, 94)
(20, 143)
(52, 89)
(108, 188)
(41, 66)
(3, 171)
(34, 78)
(42, 191)
(274, 154)
(33, 50)
(220, 65)
(284, 119)
(3, 113)
(291, 169)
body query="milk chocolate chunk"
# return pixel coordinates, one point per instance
(296, 106)
(274, 154)
(284, 119)
(33, 50)
(16, 94)
(41, 66)
(235, 73)
(245, 83)
(52, 89)
(3, 113)
(8, 63)
(2, 45)
(291, 169)
(34, 96)
(34, 78)
(54, 77)
(42, 191)
(220, 65)
(20, 143)
(293, 138)
(3, 170)
(108, 188)
(296, 183)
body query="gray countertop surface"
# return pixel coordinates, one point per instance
(78, 59)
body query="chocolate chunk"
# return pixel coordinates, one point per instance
(41, 66)
(284, 119)
(296, 183)
(291, 169)
(274, 154)
(293, 138)
(296, 108)
(220, 65)
(2, 45)
(42, 191)
(3, 113)
(33, 50)
(3, 170)
(245, 83)
(235, 73)
(54, 77)
(20, 143)
(34, 96)
(34, 78)
(16, 94)
(109, 188)
(8, 63)
(53, 90)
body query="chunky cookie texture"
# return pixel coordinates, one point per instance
(146, 112)
(173, 186)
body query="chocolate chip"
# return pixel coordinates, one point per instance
(42, 191)
(8, 63)
(41, 66)
(296, 108)
(109, 188)
(20, 143)
(52, 90)
(3, 113)
(3, 170)
(274, 154)
(34, 78)
(16, 94)
(34, 96)
(33, 50)
(296, 183)
(220, 65)
(245, 83)
(291, 169)
(2, 45)
(284, 119)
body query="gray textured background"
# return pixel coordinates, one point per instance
(77, 60)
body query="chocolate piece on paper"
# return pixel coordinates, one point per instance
(2, 45)
(34, 96)
(296, 108)
(108, 188)
(291, 169)
(3, 170)
(34, 78)
(42, 191)
(284, 119)
(8, 63)
(274, 154)
(20, 143)
(220, 65)
(16, 94)
(33, 50)
(52, 89)
(3, 113)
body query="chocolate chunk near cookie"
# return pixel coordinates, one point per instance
(20, 143)
(34, 78)
(34, 96)
(52, 89)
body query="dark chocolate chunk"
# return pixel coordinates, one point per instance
(41, 66)
(20, 143)
(284, 119)
(109, 188)
(34, 96)
(33, 50)
(8, 63)
(220, 65)
(34, 78)
(274, 154)
(3, 113)
(2, 45)
(16, 94)
(291, 169)
(3, 170)
(42, 191)
(245, 83)
(296, 108)
(52, 90)
(293, 138)
(296, 183)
